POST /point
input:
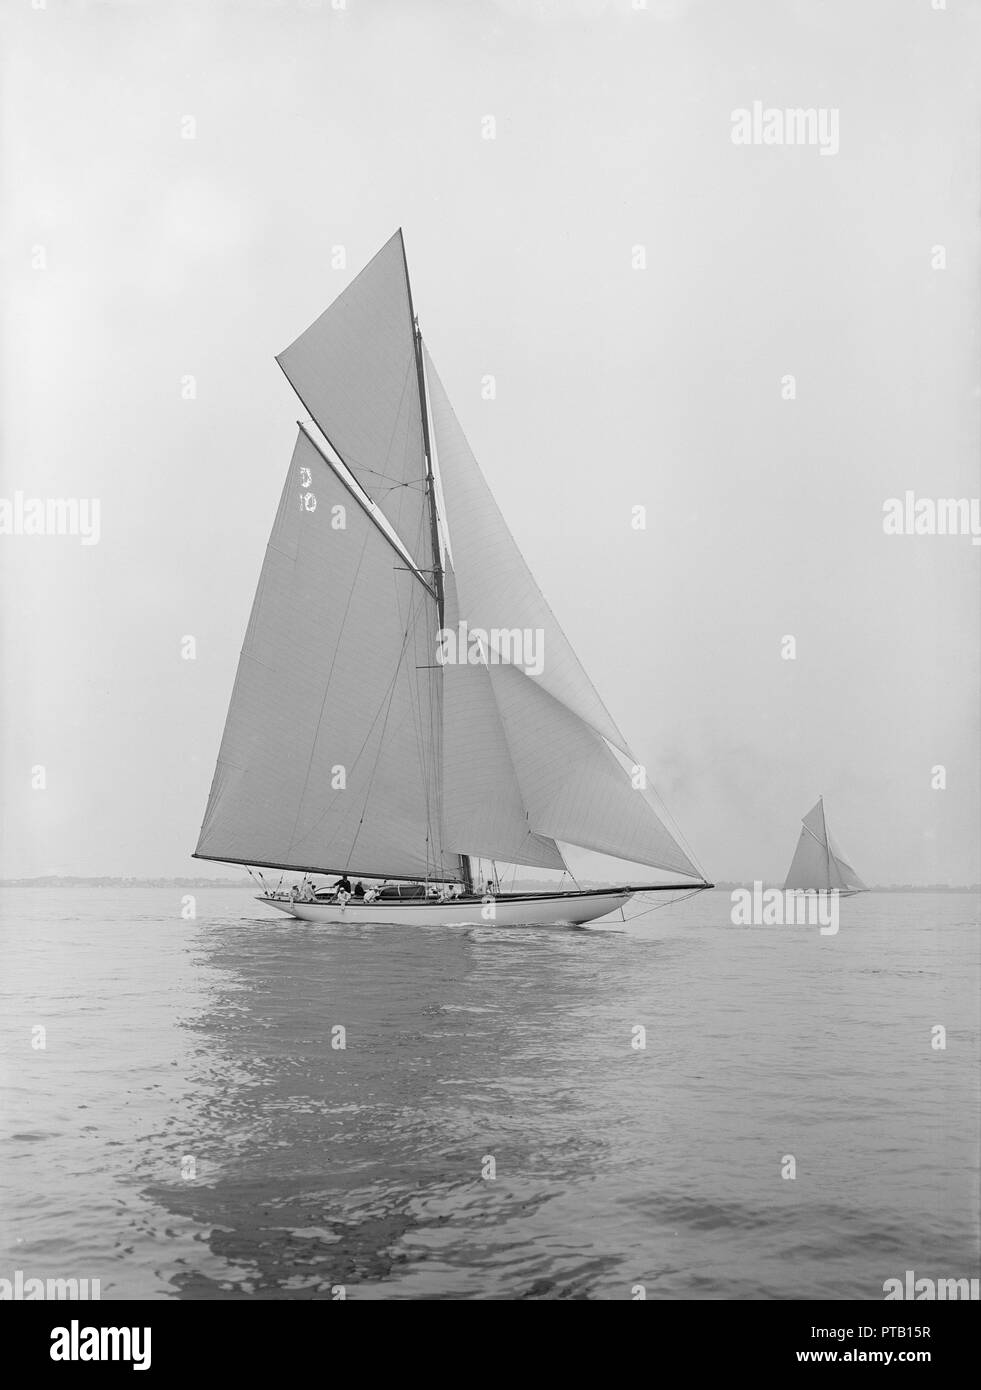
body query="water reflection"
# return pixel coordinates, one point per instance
(378, 1103)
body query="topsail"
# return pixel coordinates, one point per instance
(350, 744)
(355, 370)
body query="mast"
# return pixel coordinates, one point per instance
(433, 516)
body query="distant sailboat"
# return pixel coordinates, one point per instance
(351, 744)
(818, 864)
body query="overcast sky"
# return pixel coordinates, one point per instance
(167, 257)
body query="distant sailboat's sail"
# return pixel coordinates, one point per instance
(809, 866)
(482, 807)
(495, 586)
(557, 733)
(330, 757)
(355, 370)
(817, 863)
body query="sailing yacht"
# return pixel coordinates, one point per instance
(818, 864)
(360, 739)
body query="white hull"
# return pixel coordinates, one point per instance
(542, 910)
(829, 893)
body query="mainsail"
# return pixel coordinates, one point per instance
(349, 744)
(330, 757)
(817, 862)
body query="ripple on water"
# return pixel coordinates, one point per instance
(236, 1107)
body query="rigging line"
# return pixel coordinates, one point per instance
(427, 766)
(423, 708)
(438, 713)
(436, 687)
(375, 473)
(668, 903)
(435, 769)
(381, 741)
(367, 502)
(396, 483)
(419, 548)
(364, 467)
(413, 544)
(387, 697)
(411, 482)
(330, 675)
(435, 472)
(409, 627)
(367, 505)
(398, 413)
(388, 694)
(368, 736)
(436, 707)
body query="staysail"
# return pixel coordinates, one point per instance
(573, 786)
(330, 757)
(817, 862)
(483, 811)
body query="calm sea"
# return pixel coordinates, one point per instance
(191, 1127)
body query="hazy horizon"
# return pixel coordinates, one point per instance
(139, 258)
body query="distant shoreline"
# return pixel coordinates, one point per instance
(68, 881)
(529, 885)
